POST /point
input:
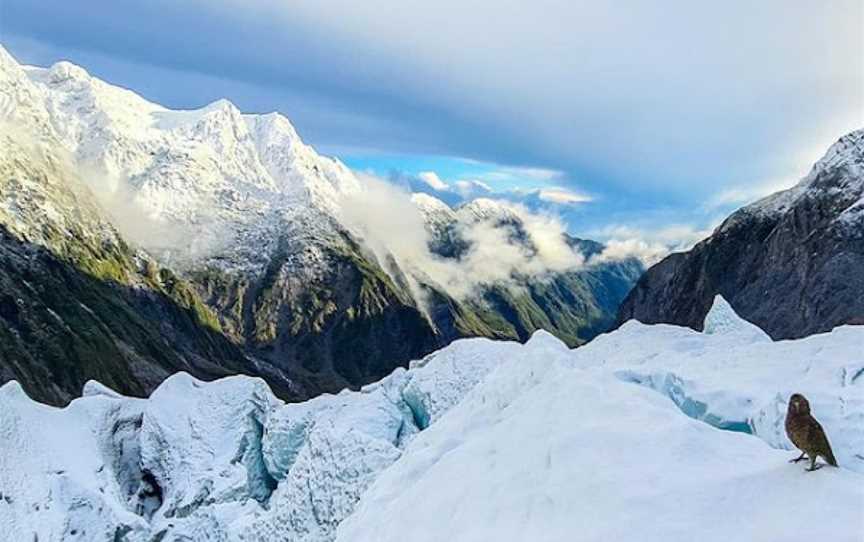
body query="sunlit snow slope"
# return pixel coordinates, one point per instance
(483, 440)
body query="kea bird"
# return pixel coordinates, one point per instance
(806, 433)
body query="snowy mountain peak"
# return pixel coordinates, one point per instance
(437, 215)
(272, 128)
(63, 71)
(235, 179)
(222, 104)
(825, 180)
(7, 62)
(429, 203)
(485, 209)
(847, 152)
(849, 149)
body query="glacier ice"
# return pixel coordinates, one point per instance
(723, 320)
(562, 446)
(200, 459)
(489, 440)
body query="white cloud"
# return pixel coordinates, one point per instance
(562, 196)
(384, 215)
(648, 245)
(522, 173)
(471, 189)
(676, 104)
(432, 179)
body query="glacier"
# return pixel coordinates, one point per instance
(221, 460)
(649, 432)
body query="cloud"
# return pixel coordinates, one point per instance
(100, 199)
(648, 245)
(386, 218)
(457, 192)
(173, 243)
(562, 196)
(684, 102)
(522, 173)
(431, 178)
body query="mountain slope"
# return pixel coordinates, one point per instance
(574, 303)
(77, 303)
(351, 325)
(237, 222)
(790, 263)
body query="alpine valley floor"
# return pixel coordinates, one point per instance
(647, 433)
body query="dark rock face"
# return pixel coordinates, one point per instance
(349, 327)
(793, 263)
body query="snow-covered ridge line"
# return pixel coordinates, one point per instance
(847, 152)
(214, 187)
(225, 179)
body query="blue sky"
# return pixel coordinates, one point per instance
(661, 116)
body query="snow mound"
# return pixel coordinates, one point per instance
(723, 320)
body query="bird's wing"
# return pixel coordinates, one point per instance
(820, 442)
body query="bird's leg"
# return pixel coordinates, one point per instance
(813, 466)
(799, 458)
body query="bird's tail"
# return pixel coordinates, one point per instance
(829, 457)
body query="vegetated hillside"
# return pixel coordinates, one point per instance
(76, 303)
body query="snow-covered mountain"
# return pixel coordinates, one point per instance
(650, 432)
(790, 263)
(233, 221)
(76, 300)
(229, 181)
